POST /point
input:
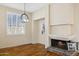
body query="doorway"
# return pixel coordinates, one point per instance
(39, 30)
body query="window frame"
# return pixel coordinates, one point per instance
(16, 28)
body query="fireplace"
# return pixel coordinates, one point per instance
(59, 44)
(66, 47)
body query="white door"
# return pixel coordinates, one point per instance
(39, 31)
(42, 31)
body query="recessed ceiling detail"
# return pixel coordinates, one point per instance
(30, 7)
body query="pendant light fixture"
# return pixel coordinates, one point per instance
(24, 16)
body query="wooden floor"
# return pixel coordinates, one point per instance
(28, 50)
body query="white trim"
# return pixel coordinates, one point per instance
(64, 37)
(16, 27)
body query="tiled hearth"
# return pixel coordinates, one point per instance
(64, 52)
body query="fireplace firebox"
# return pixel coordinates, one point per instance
(59, 44)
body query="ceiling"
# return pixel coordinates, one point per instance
(30, 7)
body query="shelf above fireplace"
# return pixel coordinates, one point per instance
(62, 37)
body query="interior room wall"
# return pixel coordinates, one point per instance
(61, 19)
(37, 15)
(30, 37)
(13, 40)
(61, 29)
(36, 31)
(76, 22)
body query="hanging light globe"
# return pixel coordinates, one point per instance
(24, 16)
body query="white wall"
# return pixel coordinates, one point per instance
(42, 13)
(61, 30)
(13, 40)
(18, 6)
(56, 29)
(61, 13)
(68, 29)
(61, 19)
(76, 22)
(72, 28)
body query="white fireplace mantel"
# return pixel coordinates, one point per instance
(62, 37)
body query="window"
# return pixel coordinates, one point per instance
(14, 24)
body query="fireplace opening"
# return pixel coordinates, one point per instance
(59, 44)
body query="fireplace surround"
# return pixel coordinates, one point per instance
(61, 46)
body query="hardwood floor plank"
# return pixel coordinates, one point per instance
(28, 50)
